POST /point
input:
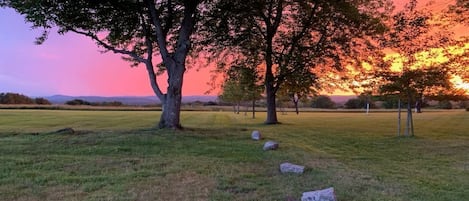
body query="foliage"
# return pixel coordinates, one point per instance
(42, 101)
(84, 102)
(360, 102)
(322, 101)
(445, 104)
(298, 86)
(111, 103)
(77, 102)
(292, 37)
(115, 157)
(15, 98)
(241, 85)
(459, 12)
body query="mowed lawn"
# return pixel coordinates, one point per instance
(117, 155)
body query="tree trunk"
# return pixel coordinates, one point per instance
(296, 107)
(269, 85)
(271, 106)
(174, 62)
(407, 125)
(418, 106)
(399, 117)
(171, 103)
(253, 109)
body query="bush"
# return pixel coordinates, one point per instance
(14, 98)
(112, 103)
(322, 102)
(445, 104)
(42, 101)
(77, 102)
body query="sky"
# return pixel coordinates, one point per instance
(71, 64)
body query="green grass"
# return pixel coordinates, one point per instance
(118, 156)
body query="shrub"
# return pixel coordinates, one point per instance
(77, 102)
(42, 101)
(322, 102)
(14, 98)
(445, 104)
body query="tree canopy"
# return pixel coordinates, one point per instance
(291, 35)
(241, 85)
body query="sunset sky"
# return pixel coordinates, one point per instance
(73, 65)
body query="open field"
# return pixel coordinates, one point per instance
(116, 155)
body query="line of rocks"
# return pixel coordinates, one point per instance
(285, 168)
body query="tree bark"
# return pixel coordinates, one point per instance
(271, 106)
(175, 62)
(253, 109)
(399, 117)
(407, 125)
(269, 85)
(296, 107)
(171, 103)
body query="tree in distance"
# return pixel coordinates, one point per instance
(241, 85)
(361, 101)
(298, 86)
(323, 101)
(411, 36)
(289, 36)
(15, 98)
(139, 30)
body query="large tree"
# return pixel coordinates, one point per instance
(140, 30)
(290, 35)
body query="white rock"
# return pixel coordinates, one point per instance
(319, 195)
(289, 167)
(256, 135)
(270, 145)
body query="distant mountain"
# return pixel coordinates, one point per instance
(127, 100)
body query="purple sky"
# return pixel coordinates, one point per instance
(70, 64)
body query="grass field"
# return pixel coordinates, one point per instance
(116, 155)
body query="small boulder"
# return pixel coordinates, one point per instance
(319, 195)
(291, 168)
(270, 145)
(256, 135)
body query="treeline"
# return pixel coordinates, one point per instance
(14, 98)
(83, 102)
(363, 100)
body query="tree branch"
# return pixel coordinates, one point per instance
(149, 63)
(107, 46)
(160, 36)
